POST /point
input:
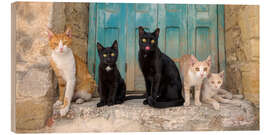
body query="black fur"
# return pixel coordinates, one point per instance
(111, 86)
(162, 79)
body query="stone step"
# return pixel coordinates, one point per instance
(134, 116)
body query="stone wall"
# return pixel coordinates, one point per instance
(242, 50)
(35, 80)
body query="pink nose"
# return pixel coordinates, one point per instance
(147, 48)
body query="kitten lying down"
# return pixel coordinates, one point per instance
(213, 94)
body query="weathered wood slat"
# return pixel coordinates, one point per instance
(185, 29)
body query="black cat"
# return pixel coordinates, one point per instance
(162, 79)
(111, 86)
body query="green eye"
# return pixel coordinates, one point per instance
(112, 54)
(104, 55)
(144, 40)
(152, 41)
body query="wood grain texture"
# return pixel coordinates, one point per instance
(184, 29)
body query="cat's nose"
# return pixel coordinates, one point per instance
(147, 48)
(61, 49)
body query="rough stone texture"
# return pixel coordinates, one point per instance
(77, 16)
(35, 80)
(34, 77)
(242, 50)
(133, 116)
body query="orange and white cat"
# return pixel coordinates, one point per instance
(193, 72)
(212, 93)
(74, 81)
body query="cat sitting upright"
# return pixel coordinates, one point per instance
(111, 86)
(213, 94)
(162, 79)
(74, 81)
(193, 73)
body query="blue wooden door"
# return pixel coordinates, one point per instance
(139, 15)
(184, 29)
(202, 32)
(110, 26)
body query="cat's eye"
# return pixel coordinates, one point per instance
(197, 69)
(152, 41)
(219, 82)
(204, 69)
(104, 55)
(212, 82)
(144, 40)
(112, 54)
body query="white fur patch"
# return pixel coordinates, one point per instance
(108, 68)
(65, 62)
(83, 94)
(195, 79)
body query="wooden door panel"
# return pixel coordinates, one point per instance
(184, 29)
(202, 32)
(111, 26)
(139, 15)
(172, 20)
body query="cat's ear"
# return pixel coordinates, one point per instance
(115, 45)
(141, 30)
(99, 47)
(156, 32)
(221, 74)
(68, 32)
(208, 60)
(50, 33)
(193, 60)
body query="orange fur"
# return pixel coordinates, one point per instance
(65, 103)
(84, 81)
(193, 72)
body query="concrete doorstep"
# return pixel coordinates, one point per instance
(133, 116)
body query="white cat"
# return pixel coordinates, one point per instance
(213, 94)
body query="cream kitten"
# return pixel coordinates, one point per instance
(213, 94)
(193, 72)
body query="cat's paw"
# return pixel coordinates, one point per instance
(186, 103)
(57, 104)
(216, 106)
(64, 111)
(119, 101)
(150, 101)
(145, 102)
(70, 114)
(100, 104)
(79, 101)
(198, 103)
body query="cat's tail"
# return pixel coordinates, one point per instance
(134, 97)
(176, 59)
(157, 104)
